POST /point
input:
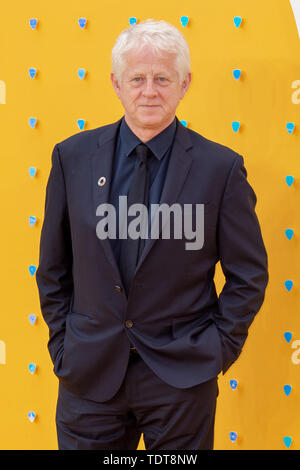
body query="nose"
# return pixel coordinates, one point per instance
(149, 89)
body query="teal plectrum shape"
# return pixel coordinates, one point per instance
(237, 73)
(289, 233)
(32, 122)
(31, 416)
(288, 336)
(235, 126)
(32, 318)
(288, 285)
(233, 384)
(233, 436)
(237, 21)
(81, 123)
(184, 123)
(33, 23)
(184, 20)
(82, 22)
(32, 171)
(32, 72)
(290, 127)
(289, 180)
(32, 269)
(32, 220)
(132, 20)
(32, 368)
(287, 389)
(81, 73)
(287, 441)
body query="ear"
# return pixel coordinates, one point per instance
(115, 84)
(185, 84)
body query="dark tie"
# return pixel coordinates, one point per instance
(138, 193)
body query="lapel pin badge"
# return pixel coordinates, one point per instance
(101, 181)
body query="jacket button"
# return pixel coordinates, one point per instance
(129, 323)
(118, 289)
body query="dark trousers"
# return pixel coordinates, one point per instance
(169, 418)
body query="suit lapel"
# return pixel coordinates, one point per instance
(102, 161)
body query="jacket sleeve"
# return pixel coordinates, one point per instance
(54, 273)
(243, 260)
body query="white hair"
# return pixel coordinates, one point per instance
(160, 36)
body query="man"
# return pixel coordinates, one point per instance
(138, 334)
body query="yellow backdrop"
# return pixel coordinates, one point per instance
(266, 97)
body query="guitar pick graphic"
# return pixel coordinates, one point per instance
(132, 20)
(289, 233)
(81, 123)
(235, 126)
(289, 179)
(32, 122)
(184, 123)
(32, 318)
(32, 72)
(287, 441)
(290, 127)
(237, 73)
(237, 21)
(32, 368)
(288, 336)
(32, 220)
(32, 269)
(33, 23)
(287, 389)
(32, 171)
(81, 73)
(288, 285)
(31, 416)
(233, 436)
(233, 384)
(82, 22)
(184, 20)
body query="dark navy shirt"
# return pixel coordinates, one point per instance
(124, 164)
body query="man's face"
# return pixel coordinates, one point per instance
(150, 91)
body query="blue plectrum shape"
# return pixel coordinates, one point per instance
(32, 122)
(32, 368)
(287, 441)
(32, 171)
(132, 20)
(233, 384)
(32, 220)
(82, 22)
(237, 73)
(33, 22)
(184, 20)
(184, 123)
(235, 126)
(290, 127)
(31, 416)
(289, 233)
(288, 336)
(32, 318)
(288, 284)
(287, 389)
(32, 269)
(81, 73)
(237, 21)
(233, 436)
(81, 123)
(289, 180)
(32, 72)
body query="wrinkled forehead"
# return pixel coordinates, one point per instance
(146, 60)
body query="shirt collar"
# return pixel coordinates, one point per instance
(158, 144)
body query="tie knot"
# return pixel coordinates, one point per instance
(142, 152)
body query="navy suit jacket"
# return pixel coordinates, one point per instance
(183, 330)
